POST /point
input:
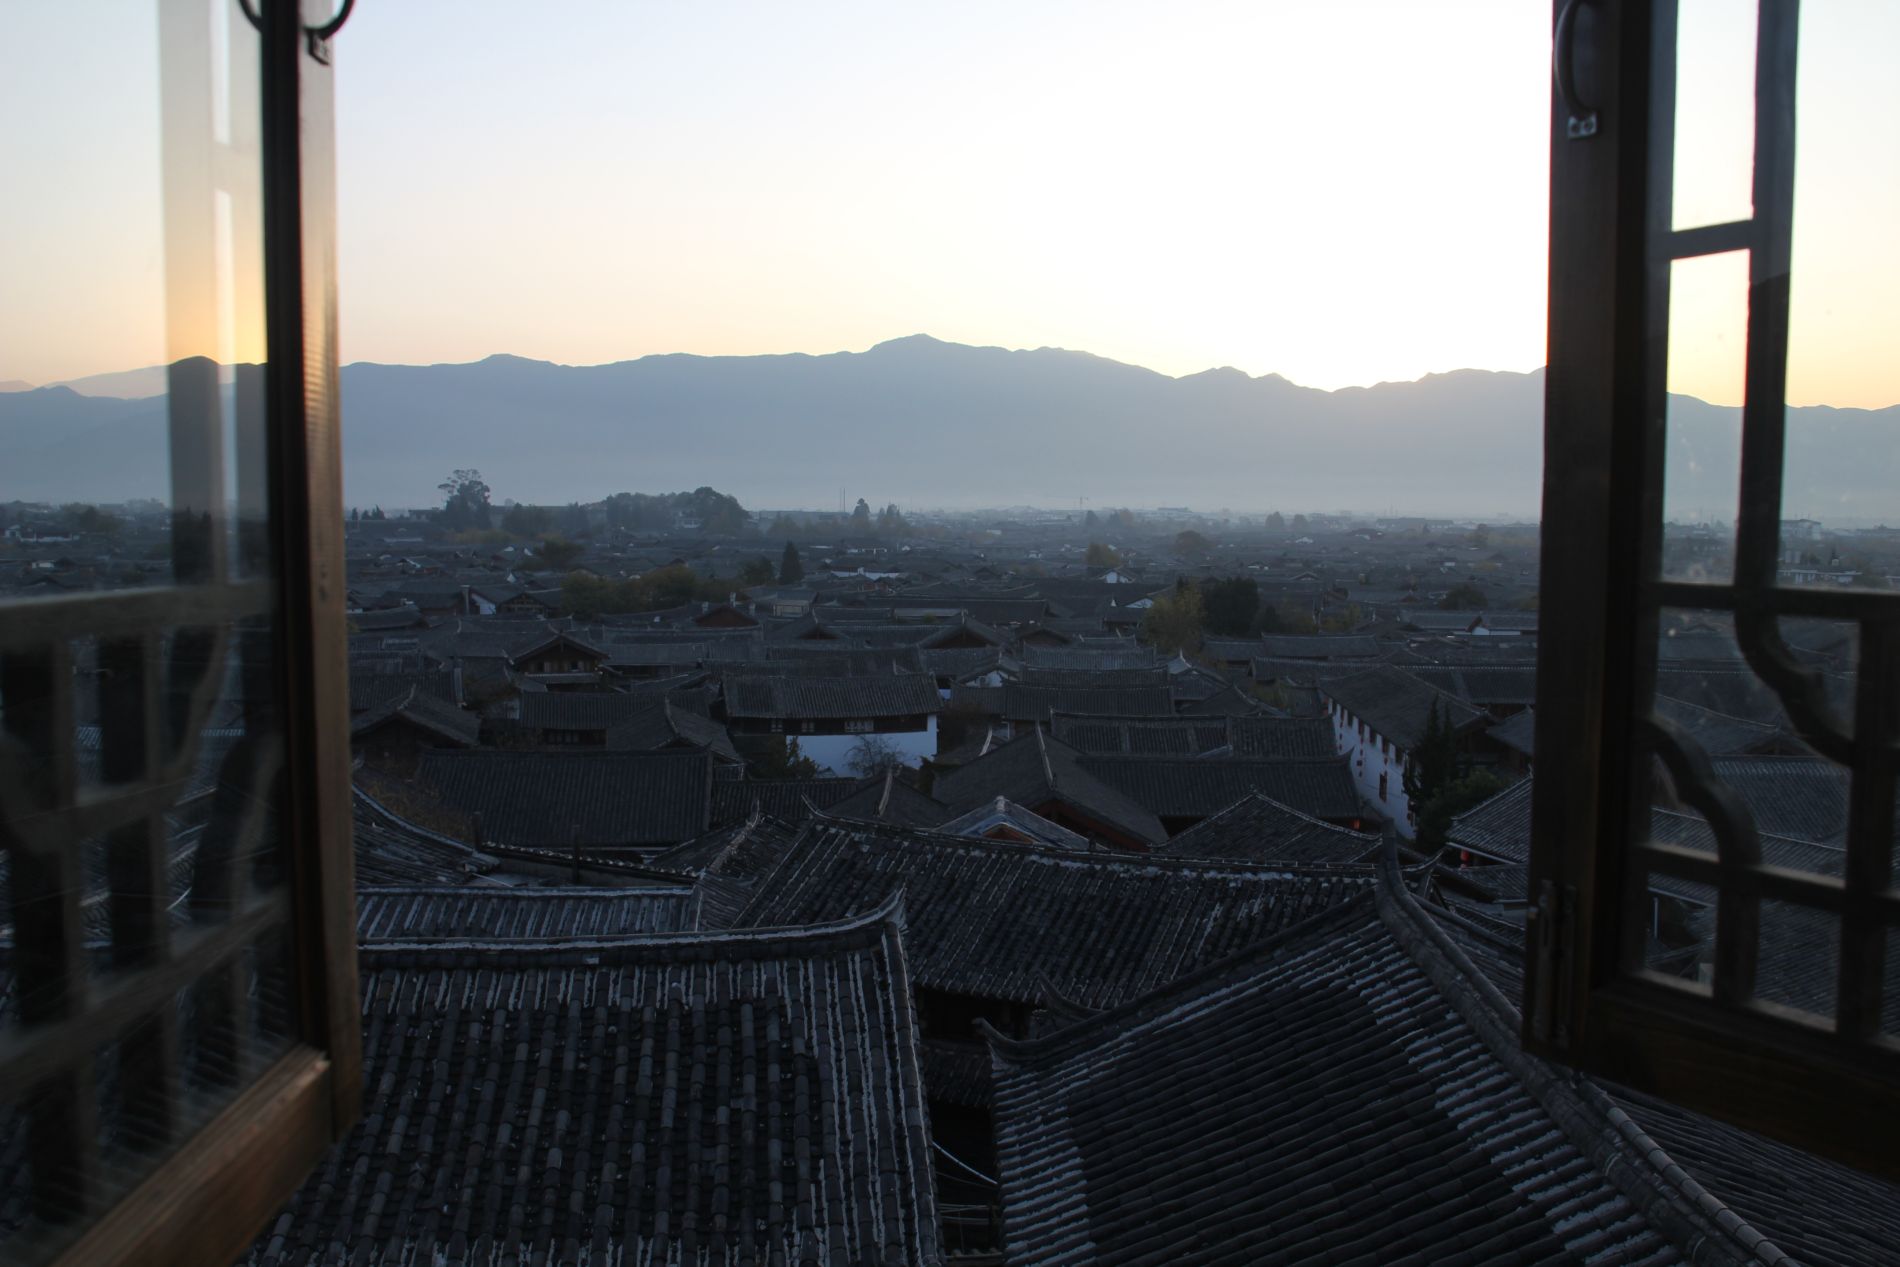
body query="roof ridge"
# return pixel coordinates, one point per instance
(1672, 1199)
(886, 919)
(1103, 1023)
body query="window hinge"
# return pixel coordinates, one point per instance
(1553, 932)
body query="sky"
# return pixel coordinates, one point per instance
(1340, 193)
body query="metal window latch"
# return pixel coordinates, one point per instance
(1582, 122)
(316, 38)
(1551, 926)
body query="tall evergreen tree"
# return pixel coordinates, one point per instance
(790, 569)
(1433, 765)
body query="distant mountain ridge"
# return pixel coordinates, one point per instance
(926, 423)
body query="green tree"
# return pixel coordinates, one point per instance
(1463, 597)
(585, 597)
(1173, 622)
(1464, 793)
(1286, 618)
(527, 521)
(1101, 556)
(1089, 522)
(790, 569)
(890, 522)
(1191, 543)
(464, 501)
(756, 572)
(89, 521)
(1342, 619)
(1231, 606)
(1276, 522)
(861, 518)
(1299, 523)
(557, 555)
(783, 526)
(1432, 765)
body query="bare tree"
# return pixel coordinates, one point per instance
(873, 754)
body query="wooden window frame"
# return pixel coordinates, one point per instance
(210, 1196)
(1833, 1090)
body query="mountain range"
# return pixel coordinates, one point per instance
(925, 423)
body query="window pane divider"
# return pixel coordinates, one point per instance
(109, 614)
(40, 1050)
(1709, 239)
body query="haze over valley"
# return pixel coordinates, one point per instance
(948, 425)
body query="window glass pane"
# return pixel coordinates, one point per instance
(1708, 352)
(1890, 997)
(1715, 111)
(141, 757)
(1717, 709)
(1841, 503)
(1798, 957)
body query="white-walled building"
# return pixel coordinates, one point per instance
(1378, 718)
(830, 716)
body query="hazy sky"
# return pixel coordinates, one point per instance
(1341, 193)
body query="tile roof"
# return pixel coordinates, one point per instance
(1143, 736)
(1397, 704)
(1094, 679)
(1261, 829)
(1804, 798)
(389, 851)
(1718, 734)
(581, 710)
(735, 800)
(1518, 732)
(732, 1099)
(1320, 646)
(1276, 669)
(1001, 920)
(1810, 1209)
(899, 695)
(1232, 650)
(1282, 737)
(1025, 703)
(1498, 828)
(1813, 1210)
(1006, 815)
(1035, 771)
(664, 724)
(1200, 787)
(614, 800)
(1124, 655)
(886, 798)
(1350, 1093)
(369, 689)
(1482, 686)
(443, 720)
(492, 913)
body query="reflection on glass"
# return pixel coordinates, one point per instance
(1841, 493)
(1708, 351)
(140, 748)
(1798, 957)
(1715, 111)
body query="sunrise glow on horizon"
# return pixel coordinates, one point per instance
(1342, 195)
